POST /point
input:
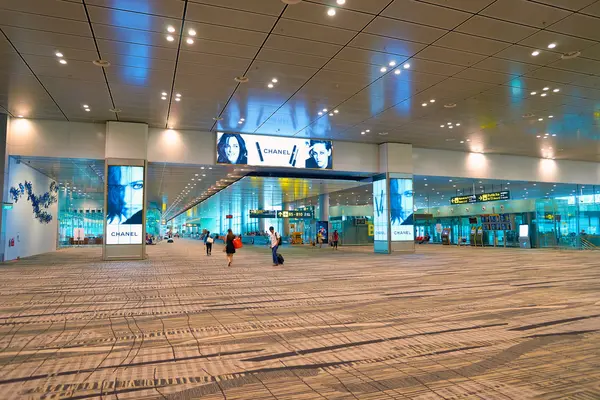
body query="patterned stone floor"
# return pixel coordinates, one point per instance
(445, 323)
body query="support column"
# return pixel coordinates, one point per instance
(393, 199)
(3, 179)
(323, 221)
(125, 191)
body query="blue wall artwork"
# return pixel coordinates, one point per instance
(39, 203)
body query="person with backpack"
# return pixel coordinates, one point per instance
(275, 242)
(208, 242)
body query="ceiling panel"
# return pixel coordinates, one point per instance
(426, 14)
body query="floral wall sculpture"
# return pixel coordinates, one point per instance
(41, 203)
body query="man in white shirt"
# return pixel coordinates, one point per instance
(275, 237)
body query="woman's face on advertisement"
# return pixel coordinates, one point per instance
(320, 154)
(232, 149)
(132, 180)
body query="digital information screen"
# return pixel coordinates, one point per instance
(401, 209)
(263, 213)
(268, 151)
(125, 204)
(480, 198)
(380, 219)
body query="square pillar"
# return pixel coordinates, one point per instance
(393, 200)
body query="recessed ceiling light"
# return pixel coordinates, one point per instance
(85, 106)
(191, 32)
(19, 116)
(392, 63)
(362, 133)
(546, 88)
(397, 72)
(325, 110)
(336, 111)
(241, 79)
(533, 93)
(341, 2)
(331, 114)
(458, 124)
(170, 38)
(462, 141)
(270, 86)
(554, 134)
(383, 69)
(468, 140)
(432, 101)
(368, 130)
(538, 136)
(62, 61)
(177, 98)
(540, 119)
(87, 110)
(550, 116)
(442, 126)
(424, 104)
(59, 54)
(556, 90)
(552, 45)
(242, 119)
(535, 53)
(543, 94)
(331, 12)
(189, 41)
(320, 113)
(406, 66)
(170, 29)
(274, 80)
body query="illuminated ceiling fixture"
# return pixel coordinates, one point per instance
(368, 130)
(432, 101)
(552, 45)
(458, 124)
(442, 126)
(540, 119)
(331, 12)
(170, 29)
(544, 94)
(341, 2)
(383, 69)
(535, 53)
(59, 54)
(533, 93)
(19, 116)
(336, 111)
(178, 95)
(320, 113)
(191, 32)
(170, 38)
(325, 110)
(331, 114)
(177, 98)
(363, 132)
(63, 62)
(270, 86)
(274, 80)
(550, 116)
(546, 88)
(397, 72)
(424, 104)
(554, 135)
(556, 90)
(189, 41)
(406, 66)
(392, 63)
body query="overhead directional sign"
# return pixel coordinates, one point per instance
(295, 214)
(480, 198)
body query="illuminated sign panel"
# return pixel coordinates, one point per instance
(380, 220)
(480, 198)
(268, 151)
(262, 213)
(125, 204)
(401, 209)
(295, 214)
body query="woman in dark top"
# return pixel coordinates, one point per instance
(229, 247)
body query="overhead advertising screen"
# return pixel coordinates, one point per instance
(268, 151)
(480, 198)
(380, 220)
(401, 209)
(125, 204)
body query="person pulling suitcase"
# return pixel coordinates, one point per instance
(275, 243)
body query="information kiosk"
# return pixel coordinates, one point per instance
(524, 241)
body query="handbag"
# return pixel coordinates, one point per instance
(237, 243)
(210, 240)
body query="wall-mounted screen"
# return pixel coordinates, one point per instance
(268, 151)
(380, 218)
(125, 204)
(401, 209)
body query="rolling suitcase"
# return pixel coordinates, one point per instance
(280, 259)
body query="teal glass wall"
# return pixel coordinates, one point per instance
(80, 211)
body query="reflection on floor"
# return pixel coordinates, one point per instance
(445, 323)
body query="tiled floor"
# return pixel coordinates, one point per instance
(445, 323)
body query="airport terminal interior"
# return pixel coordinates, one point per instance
(300, 199)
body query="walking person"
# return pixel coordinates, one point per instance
(275, 242)
(320, 239)
(229, 246)
(334, 238)
(208, 242)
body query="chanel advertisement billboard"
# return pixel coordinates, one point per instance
(268, 151)
(125, 204)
